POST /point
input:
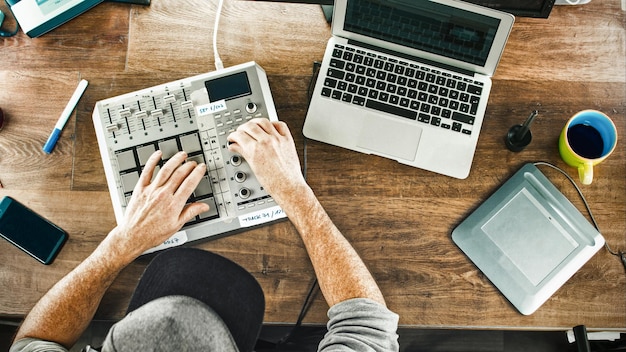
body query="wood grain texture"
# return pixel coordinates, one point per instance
(574, 44)
(398, 218)
(97, 39)
(280, 37)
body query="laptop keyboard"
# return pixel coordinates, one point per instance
(402, 88)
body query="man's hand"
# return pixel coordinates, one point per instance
(157, 208)
(269, 149)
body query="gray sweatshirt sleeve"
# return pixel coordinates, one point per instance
(35, 345)
(360, 325)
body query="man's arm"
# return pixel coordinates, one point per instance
(157, 210)
(341, 273)
(269, 149)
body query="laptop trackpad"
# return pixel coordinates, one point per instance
(392, 138)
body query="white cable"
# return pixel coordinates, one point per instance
(218, 62)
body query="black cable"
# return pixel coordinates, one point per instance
(620, 254)
(310, 297)
(308, 301)
(316, 70)
(309, 92)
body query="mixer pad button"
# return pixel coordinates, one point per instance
(126, 160)
(129, 181)
(212, 209)
(190, 143)
(144, 153)
(199, 159)
(169, 148)
(204, 187)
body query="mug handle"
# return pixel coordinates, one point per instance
(585, 172)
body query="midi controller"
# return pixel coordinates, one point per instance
(194, 115)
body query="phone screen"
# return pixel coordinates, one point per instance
(29, 231)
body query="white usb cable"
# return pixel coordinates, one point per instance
(218, 61)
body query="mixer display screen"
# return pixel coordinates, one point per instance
(229, 87)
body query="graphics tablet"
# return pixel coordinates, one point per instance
(528, 239)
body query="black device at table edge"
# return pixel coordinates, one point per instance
(29, 231)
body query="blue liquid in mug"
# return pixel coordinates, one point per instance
(586, 141)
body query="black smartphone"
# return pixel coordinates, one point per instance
(29, 231)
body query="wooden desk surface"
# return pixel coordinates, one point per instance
(399, 218)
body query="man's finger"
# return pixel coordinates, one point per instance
(169, 168)
(146, 175)
(191, 180)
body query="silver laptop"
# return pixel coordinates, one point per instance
(408, 80)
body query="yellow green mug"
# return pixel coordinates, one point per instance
(587, 139)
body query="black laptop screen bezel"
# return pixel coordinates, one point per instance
(508, 6)
(511, 7)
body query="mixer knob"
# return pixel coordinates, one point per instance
(235, 160)
(251, 108)
(244, 193)
(240, 176)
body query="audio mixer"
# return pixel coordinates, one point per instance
(194, 115)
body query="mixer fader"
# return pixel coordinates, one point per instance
(194, 115)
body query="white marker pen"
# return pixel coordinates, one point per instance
(65, 115)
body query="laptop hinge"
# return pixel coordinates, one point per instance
(412, 58)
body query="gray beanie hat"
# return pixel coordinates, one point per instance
(191, 300)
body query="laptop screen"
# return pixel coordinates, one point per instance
(425, 25)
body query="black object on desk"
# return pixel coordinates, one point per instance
(519, 136)
(135, 2)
